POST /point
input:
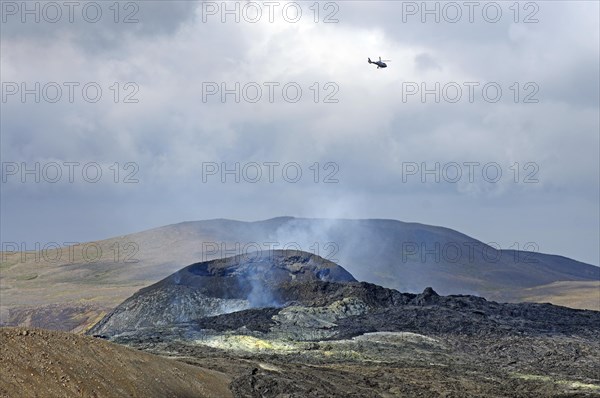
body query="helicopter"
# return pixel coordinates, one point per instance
(380, 63)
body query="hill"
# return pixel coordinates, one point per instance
(218, 287)
(72, 288)
(58, 364)
(316, 331)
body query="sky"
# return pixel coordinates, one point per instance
(120, 117)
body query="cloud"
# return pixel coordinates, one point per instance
(370, 133)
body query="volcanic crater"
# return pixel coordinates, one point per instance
(288, 311)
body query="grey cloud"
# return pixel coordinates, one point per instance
(425, 61)
(94, 26)
(369, 133)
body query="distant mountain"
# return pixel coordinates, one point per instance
(72, 288)
(404, 256)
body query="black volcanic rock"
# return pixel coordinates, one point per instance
(429, 296)
(220, 286)
(268, 268)
(302, 297)
(295, 324)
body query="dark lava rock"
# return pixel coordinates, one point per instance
(253, 276)
(220, 286)
(254, 319)
(287, 326)
(300, 296)
(429, 296)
